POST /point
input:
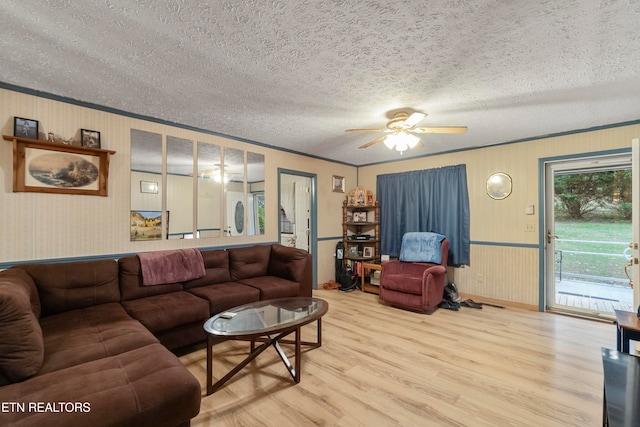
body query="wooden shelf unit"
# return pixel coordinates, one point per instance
(361, 217)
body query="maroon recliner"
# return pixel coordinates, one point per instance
(417, 286)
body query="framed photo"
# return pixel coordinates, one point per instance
(25, 128)
(359, 217)
(146, 225)
(353, 251)
(149, 187)
(367, 252)
(90, 138)
(338, 184)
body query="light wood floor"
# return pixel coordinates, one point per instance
(381, 366)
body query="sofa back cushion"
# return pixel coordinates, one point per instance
(70, 285)
(21, 343)
(247, 262)
(287, 263)
(216, 265)
(131, 286)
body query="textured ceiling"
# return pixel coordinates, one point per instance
(296, 74)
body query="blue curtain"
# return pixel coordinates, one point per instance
(434, 200)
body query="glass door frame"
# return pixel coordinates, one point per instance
(546, 168)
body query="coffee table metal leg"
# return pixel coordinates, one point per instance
(297, 352)
(285, 360)
(209, 365)
(271, 340)
(231, 373)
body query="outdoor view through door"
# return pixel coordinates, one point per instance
(588, 234)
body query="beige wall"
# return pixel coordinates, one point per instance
(503, 266)
(38, 226)
(43, 226)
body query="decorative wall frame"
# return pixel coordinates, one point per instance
(338, 184)
(499, 186)
(46, 167)
(149, 187)
(147, 225)
(25, 128)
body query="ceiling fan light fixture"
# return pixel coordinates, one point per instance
(412, 140)
(401, 146)
(390, 141)
(401, 141)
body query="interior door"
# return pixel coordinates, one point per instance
(303, 213)
(309, 216)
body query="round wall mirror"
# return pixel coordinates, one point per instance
(499, 186)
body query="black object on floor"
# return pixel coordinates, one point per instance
(449, 305)
(471, 304)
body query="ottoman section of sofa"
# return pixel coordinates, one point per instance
(79, 336)
(166, 313)
(147, 386)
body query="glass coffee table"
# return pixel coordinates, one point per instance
(267, 322)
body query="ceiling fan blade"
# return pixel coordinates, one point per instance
(375, 141)
(367, 130)
(441, 129)
(413, 119)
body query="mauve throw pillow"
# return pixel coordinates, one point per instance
(21, 344)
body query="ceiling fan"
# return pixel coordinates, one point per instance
(402, 127)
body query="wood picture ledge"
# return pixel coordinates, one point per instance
(51, 167)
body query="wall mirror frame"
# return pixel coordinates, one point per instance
(499, 186)
(204, 190)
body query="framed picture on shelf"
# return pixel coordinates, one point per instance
(367, 252)
(90, 138)
(338, 183)
(359, 217)
(25, 128)
(353, 251)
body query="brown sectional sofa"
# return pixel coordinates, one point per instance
(85, 343)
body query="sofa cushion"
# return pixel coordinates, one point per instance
(223, 296)
(288, 263)
(21, 275)
(131, 281)
(21, 343)
(273, 287)
(147, 386)
(67, 286)
(160, 313)
(216, 264)
(91, 333)
(252, 261)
